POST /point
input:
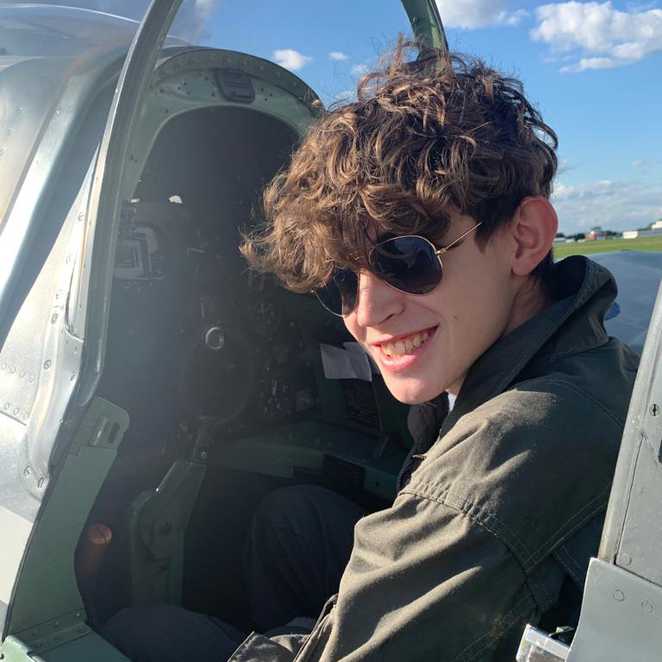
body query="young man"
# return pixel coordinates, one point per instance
(421, 214)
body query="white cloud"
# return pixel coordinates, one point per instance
(562, 191)
(471, 14)
(646, 166)
(338, 56)
(615, 205)
(345, 95)
(291, 59)
(360, 69)
(564, 166)
(590, 63)
(205, 7)
(598, 35)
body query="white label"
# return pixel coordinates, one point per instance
(349, 363)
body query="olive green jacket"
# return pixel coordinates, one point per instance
(494, 523)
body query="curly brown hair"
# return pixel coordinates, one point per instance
(426, 137)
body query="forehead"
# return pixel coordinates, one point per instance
(438, 228)
(351, 240)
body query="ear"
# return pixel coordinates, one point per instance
(533, 228)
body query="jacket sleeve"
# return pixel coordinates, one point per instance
(424, 582)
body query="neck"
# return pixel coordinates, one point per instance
(530, 300)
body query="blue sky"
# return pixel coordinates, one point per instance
(594, 70)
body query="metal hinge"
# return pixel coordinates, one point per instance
(55, 632)
(28, 644)
(537, 646)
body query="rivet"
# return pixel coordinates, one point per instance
(625, 559)
(648, 606)
(619, 596)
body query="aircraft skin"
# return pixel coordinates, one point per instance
(108, 296)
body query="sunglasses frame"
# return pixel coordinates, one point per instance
(438, 252)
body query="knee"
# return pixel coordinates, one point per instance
(137, 631)
(288, 509)
(167, 633)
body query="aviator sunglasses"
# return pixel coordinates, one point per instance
(408, 263)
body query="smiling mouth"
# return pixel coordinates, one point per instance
(408, 344)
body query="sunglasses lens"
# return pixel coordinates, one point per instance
(408, 263)
(338, 296)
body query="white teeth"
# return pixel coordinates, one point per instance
(405, 345)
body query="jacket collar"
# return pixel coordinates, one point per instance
(575, 322)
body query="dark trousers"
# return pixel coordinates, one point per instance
(299, 543)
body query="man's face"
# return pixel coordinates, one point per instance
(425, 344)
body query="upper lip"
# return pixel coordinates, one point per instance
(389, 339)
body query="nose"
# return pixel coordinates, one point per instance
(377, 302)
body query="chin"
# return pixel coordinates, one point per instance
(413, 394)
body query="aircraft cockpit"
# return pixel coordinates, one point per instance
(154, 389)
(187, 319)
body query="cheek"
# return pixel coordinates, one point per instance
(354, 328)
(476, 309)
(487, 309)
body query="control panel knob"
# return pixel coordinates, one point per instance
(214, 338)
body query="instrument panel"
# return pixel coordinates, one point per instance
(243, 351)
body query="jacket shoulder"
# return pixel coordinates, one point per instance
(532, 465)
